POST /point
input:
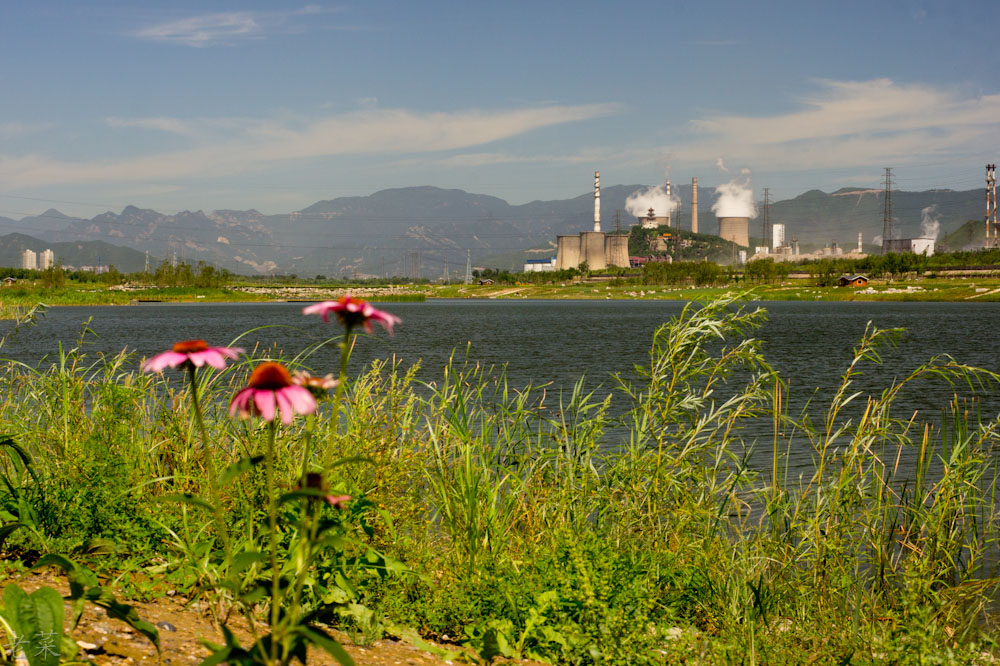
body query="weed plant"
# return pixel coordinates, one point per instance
(480, 515)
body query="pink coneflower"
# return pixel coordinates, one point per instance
(270, 388)
(318, 386)
(352, 312)
(191, 354)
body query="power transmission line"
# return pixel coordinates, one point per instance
(887, 211)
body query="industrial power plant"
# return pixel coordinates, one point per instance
(594, 248)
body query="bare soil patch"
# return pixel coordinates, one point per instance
(184, 625)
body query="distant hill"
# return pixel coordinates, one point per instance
(818, 217)
(969, 236)
(79, 253)
(426, 229)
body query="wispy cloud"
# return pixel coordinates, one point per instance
(227, 28)
(851, 123)
(228, 148)
(171, 125)
(14, 129)
(205, 30)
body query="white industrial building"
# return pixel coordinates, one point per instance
(777, 236)
(915, 245)
(539, 265)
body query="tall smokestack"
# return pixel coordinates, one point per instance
(694, 205)
(597, 201)
(668, 202)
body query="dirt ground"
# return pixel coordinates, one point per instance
(183, 625)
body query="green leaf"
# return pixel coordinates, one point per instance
(98, 546)
(320, 638)
(185, 498)
(12, 596)
(25, 457)
(242, 561)
(40, 615)
(7, 530)
(239, 467)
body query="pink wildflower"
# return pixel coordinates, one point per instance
(318, 386)
(270, 388)
(191, 354)
(352, 312)
(338, 501)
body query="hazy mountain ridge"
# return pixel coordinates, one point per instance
(392, 230)
(71, 253)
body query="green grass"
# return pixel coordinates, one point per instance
(518, 531)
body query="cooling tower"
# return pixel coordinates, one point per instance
(616, 250)
(592, 250)
(567, 252)
(735, 229)
(694, 205)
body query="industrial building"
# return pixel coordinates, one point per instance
(914, 245)
(594, 248)
(539, 265)
(777, 236)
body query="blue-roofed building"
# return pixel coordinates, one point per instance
(539, 265)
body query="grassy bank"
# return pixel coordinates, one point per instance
(473, 515)
(26, 296)
(917, 289)
(967, 289)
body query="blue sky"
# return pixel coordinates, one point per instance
(274, 105)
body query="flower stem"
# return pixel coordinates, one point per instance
(272, 511)
(345, 355)
(220, 519)
(307, 452)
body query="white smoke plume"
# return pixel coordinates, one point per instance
(720, 164)
(735, 198)
(930, 222)
(640, 201)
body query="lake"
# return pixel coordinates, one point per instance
(551, 342)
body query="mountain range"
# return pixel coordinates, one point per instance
(427, 230)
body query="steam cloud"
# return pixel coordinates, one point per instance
(735, 198)
(930, 222)
(640, 201)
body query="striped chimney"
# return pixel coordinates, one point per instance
(597, 201)
(694, 205)
(668, 202)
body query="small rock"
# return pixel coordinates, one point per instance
(84, 645)
(171, 593)
(166, 626)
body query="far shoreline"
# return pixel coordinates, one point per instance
(16, 302)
